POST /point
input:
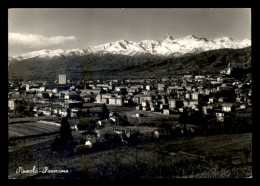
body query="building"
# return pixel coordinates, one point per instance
(62, 79)
(227, 107)
(72, 104)
(161, 87)
(220, 116)
(11, 104)
(166, 111)
(212, 100)
(195, 96)
(63, 112)
(145, 98)
(115, 101)
(71, 95)
(229, 69)
(172, 103)
(187, 96)
(224, 87)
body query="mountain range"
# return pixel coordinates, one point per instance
(166, 47)
(127, 59)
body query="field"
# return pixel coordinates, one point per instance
(199, 157)
(30, 129)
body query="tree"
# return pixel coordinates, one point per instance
(105, 112)
(184, 118)
(124, 121)
(20, 106)
(86, 124)
(65, 131)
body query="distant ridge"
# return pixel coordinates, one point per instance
(167, 47)
(107, 66)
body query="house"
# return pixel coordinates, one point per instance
(63, 112)
(195, 96)
(132, 90)
(223, 87)
(212, 100)
(166, 111)
(188, 76)
(73, 123)
(88, 98)
(73, 104)
(11, 104)
(155, 109)
(88, 144)
(144, 104)
(193, 103)
(199, 78)
(71, 95)
(115, 119)
(156, 134)
(138, 115)
(188, 88)
(164, 100)
(115, 101)
(187, 96)
(185, 103)
(94, 91)
(175, 103)
(105, 100)
(90, 138)
(223, 99)
(145, 108)
(145, 98)
(164, 106)
(207, 109)
(227, 107)
(136, 99)
(161, 87)
(172, 103)
(102, 122)
(148, 87)
(243, 106)
(172, 89)
(74, 112)
(220, 116)
(46, 111)
(139, 107)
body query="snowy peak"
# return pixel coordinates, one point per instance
(191, 37)
(167, 37)
(168, 46)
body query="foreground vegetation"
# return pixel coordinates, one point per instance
(219, 156)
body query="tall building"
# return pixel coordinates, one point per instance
(62, 79)
(229, 69)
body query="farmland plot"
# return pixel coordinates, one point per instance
(30, 128)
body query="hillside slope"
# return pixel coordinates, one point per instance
(121, 66)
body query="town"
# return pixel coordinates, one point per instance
(215, 97)
(105, 114)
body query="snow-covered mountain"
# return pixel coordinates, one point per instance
(168, 46)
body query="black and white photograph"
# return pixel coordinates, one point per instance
(129, 93)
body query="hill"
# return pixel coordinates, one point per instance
(121, 66)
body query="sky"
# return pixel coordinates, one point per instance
(37, 29)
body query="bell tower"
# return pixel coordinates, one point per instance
(229, 69)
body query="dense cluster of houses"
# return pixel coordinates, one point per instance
(205, 94)
(214, 95)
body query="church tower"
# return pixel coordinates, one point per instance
(229, 69)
